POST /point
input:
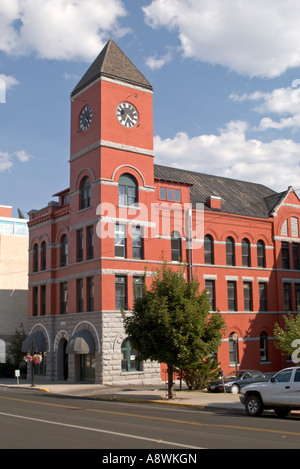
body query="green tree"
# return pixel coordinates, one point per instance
(286, 335)
(198, 375)
(14, 353)
(171, 323)
(15, 348)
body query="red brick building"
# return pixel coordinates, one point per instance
(122, 213)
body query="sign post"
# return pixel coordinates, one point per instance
(17, 375)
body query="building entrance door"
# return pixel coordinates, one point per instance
(87, 367)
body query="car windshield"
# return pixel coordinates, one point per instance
(234, 375)
(283, 376)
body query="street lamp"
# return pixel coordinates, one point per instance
(34, 358)
(235, 339)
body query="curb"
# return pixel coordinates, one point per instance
(205, 407)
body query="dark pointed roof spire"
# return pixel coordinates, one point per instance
(112, 63)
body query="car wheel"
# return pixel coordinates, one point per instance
(282, 412)
(235, 389)
(253, 406)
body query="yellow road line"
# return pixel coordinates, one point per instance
(162, 419)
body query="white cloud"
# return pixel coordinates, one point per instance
(22, 156)
(6, 83)
(7, 160)
(230, 154)
(280, 101)
(9, 80)
(256, 38)
(154, 62)
(58, 29)
(71, 76)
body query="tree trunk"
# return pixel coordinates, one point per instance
(170, 382)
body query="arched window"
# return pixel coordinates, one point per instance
(230, 254)
(85, 193)
(64, 251)
(35, 258)
(127, 190)
(208, 249)
(233, 349)
(43, 256)
(246, 259)
(128, 358)
(261, 258)
(263, 347)
(176, 247)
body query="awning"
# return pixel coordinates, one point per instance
(81, 343)
(36, 342)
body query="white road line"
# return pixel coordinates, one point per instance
(97, 430)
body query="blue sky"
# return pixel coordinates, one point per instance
(225, 73)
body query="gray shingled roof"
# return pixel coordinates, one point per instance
(112, 63)
(238, 197)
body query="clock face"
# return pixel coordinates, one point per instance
(85, 119)
(127, 115)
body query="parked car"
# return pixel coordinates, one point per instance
(281, 393)
(236, 380)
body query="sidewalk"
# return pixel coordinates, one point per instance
(133, 393)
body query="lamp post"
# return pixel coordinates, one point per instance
(34, 358)
(235, 339)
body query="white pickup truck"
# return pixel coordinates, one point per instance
(281, 393)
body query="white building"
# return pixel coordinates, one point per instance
(13, 276)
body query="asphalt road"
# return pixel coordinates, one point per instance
(33, 419)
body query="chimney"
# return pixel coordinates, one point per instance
(5, 211)
(214, 202)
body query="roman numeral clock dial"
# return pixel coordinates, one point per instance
(127, 115)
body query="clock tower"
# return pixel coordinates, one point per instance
(112, 120)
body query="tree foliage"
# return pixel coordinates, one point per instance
(197, 376)
(286, 335)
(171, 323)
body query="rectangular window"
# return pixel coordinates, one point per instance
(80, 295)
(63, 298)
(210, 289)
(263, 347)
(90, 242)
(287, 297)
(170, 194)
(297, 292)
(43, 300)
(35, 301)
(79, 245)
(176, 247)
(231, 290)
(137, 287)
(121, 292)
(120, 240)
(162, 193)
(90, 291)
(248, 296)
(177, 197)
(296, 260)
(137, 242)
(285, 255)
(262, 287)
